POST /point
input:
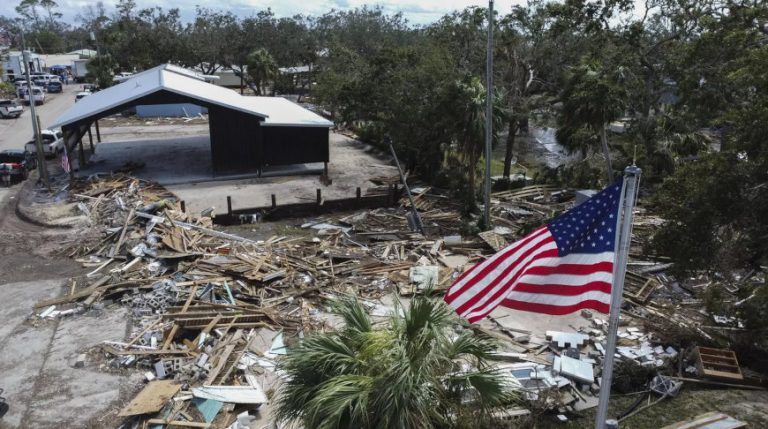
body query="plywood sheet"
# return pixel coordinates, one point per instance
(152, 398)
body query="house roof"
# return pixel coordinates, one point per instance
(165, 77)
(84, 52)
(283, 112)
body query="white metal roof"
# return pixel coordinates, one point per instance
(283, 112)
(163, 77)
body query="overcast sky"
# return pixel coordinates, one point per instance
(416, 11)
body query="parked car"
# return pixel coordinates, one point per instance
(55, 86)
(53, 143)
(81, 94)
(10, 109)
(38, 95)
(15, 165)
(39, 81)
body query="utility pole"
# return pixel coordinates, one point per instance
(42, 168)
(414, 211)
(488, 118)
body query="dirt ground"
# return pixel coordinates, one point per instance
(39, 382)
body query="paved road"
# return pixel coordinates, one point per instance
(15, 132)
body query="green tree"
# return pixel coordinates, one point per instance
(211, 41)
(262, 69)
(27, 9)
(7, 90)
(414, 372)
(101, 70)
(466, 115)
(592, 97)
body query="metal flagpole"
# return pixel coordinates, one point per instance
(488, 118)
(621, 249)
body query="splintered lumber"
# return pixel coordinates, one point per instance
(495, 241)
(182, 423)
(116, 248)
(207, 231)
(90, 290)
(142, 352)
(223, 358)
(152, 398)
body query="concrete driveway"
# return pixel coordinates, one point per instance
(14, 133)
(179, 157)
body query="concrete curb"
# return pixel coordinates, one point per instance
(23, 211)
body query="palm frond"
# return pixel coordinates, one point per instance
(469, 345)
(342, 401)
(354, 314)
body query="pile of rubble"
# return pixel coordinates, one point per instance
(212, 311)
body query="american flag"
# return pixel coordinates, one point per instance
(65, 161)
(561, 267)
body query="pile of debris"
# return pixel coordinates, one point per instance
(212, 311)
(203, 301)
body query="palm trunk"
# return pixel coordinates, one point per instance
(607, 154)
(510, 146)
(472, 168)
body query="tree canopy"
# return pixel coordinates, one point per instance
(685, 80)
(414, 372)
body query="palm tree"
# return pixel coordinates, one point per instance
(261, 68)
(466, 115)
(416, 371)
(592, 98)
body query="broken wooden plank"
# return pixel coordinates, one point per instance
(182, 423)
(152, 398)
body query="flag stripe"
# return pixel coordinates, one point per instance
(555, 310)
(491, 300)
(573, 269)
(541, 298)
(478, 284)
(566, 279)
(555, 289)
(503, 277)
(484, 268)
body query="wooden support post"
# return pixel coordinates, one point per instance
(98, 133)
(229, 205)
(319, 196)
(325, 169)
(90, 140)
(358, 193)
(183, 207)
(390, 195)
(81, 154)
(274, 201)
(66, 153)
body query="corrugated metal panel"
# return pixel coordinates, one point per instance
(149, 82)
(283, 112)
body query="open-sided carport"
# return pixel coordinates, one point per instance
(246, 133)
